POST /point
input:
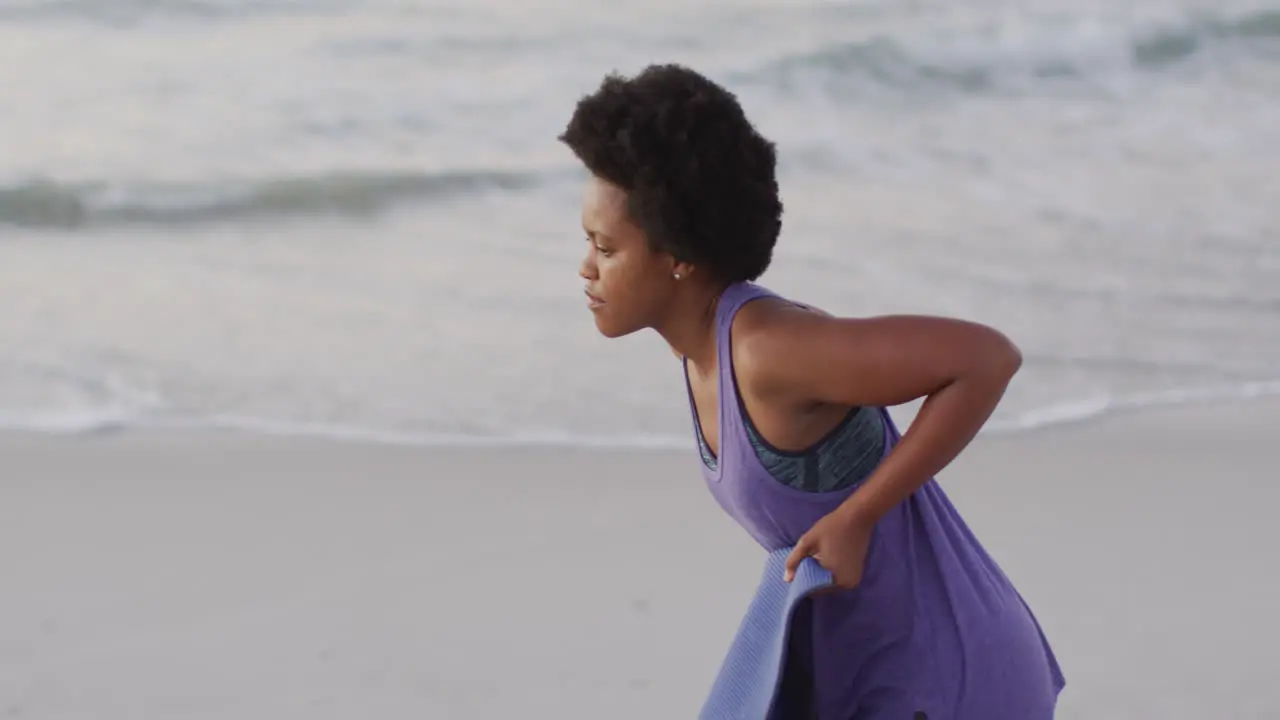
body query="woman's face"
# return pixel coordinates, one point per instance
(627, 283)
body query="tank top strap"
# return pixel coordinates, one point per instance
(732, 429)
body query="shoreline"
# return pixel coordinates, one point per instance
(211, 574)
(1049, 419)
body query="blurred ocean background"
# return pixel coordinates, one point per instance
(352, 219)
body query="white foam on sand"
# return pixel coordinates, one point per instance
(148, 412)
(223, 575)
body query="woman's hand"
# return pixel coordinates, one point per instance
(839, 543)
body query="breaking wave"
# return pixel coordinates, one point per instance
(976, 64)
(56, 205)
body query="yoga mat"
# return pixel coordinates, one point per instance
(747, 684)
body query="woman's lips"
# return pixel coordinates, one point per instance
(592, 301)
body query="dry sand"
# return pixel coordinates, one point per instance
(167, 576)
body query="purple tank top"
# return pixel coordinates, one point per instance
(934, 630)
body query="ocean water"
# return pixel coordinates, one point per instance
(353, 219)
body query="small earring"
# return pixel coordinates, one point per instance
(677, 276)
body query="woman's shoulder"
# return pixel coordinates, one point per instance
(771, 319)
(797, 353)
(765, 332)
(771, 313)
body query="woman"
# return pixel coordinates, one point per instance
(681, 214)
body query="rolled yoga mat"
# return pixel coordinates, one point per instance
(748, 684)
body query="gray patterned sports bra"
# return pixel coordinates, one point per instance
(843, 457)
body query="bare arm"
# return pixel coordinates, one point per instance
(961, 367)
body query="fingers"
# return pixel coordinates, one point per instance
(798, 553)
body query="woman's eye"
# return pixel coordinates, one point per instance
(596, 246)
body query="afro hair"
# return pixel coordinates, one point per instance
(700, 180)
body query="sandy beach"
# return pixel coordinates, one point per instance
(270, 272)
(208, 575)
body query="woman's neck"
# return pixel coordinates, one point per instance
(690, 325)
